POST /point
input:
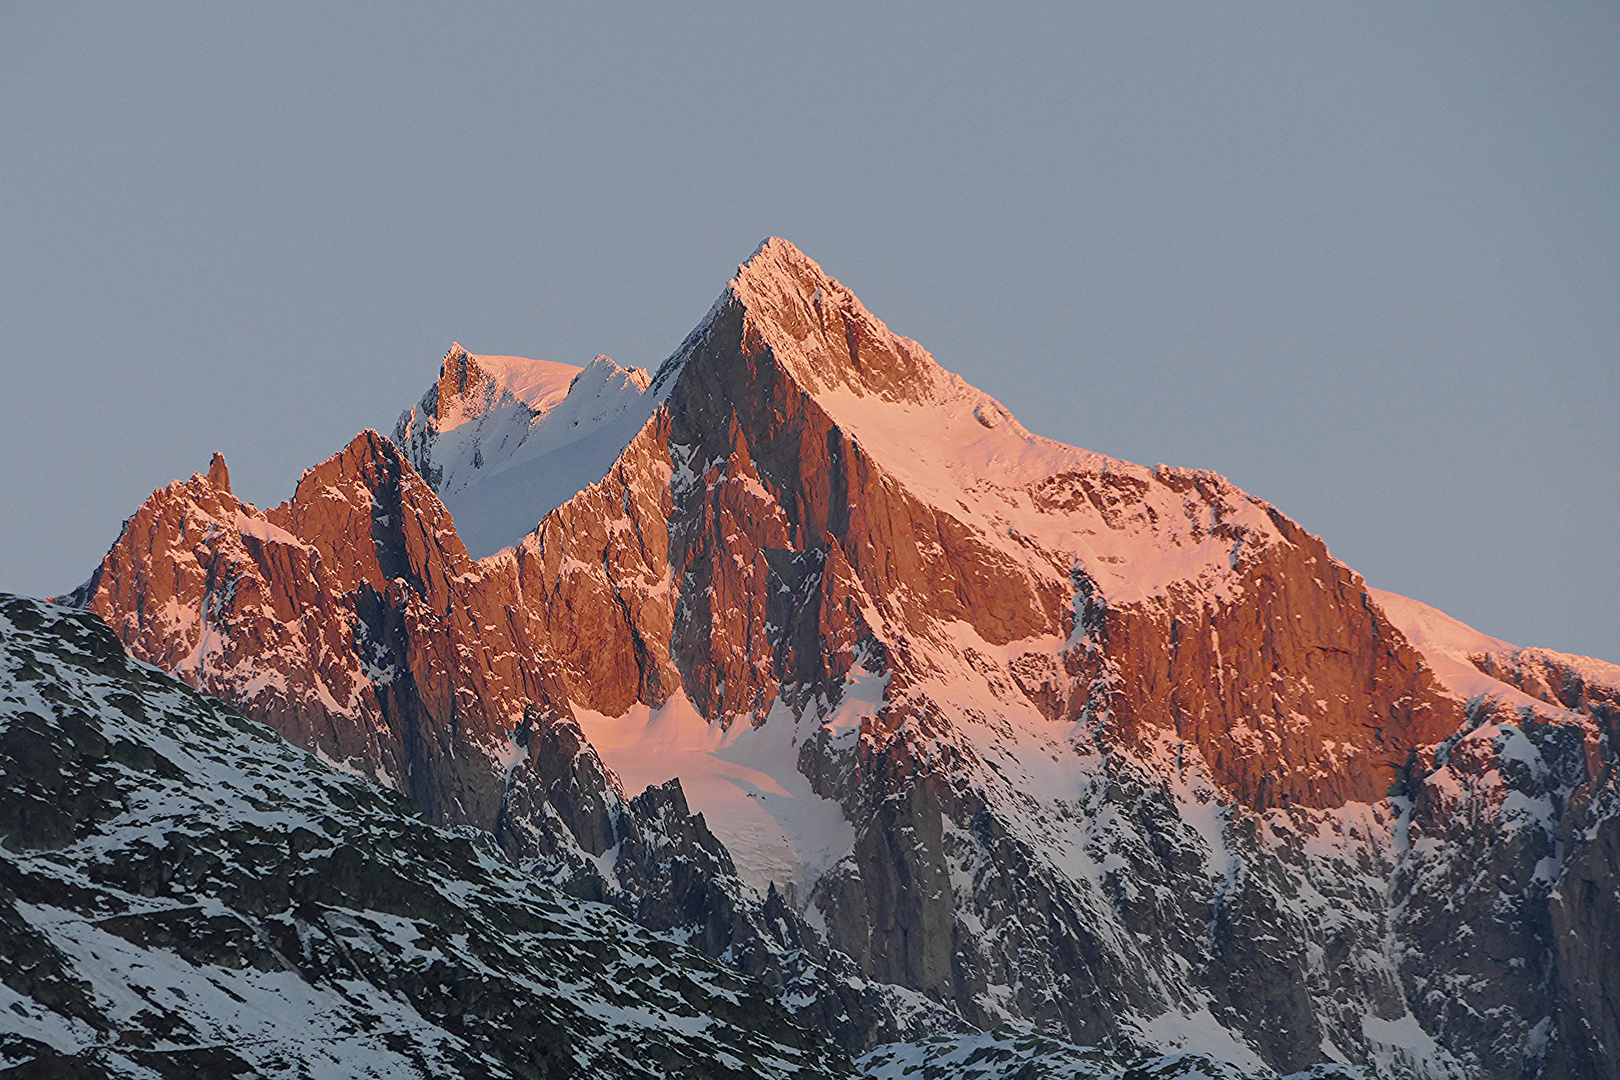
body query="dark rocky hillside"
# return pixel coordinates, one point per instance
(184, 894)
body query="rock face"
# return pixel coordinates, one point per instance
(349, 618)
(184, 894)
(1585, 928)
(1121, 752)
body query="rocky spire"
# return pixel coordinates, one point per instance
(218, 474)
(459, 375)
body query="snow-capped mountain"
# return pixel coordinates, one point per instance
(998, 730)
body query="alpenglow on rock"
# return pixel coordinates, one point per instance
(987, 728)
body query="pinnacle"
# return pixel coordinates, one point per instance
(779, 279)
(776, 247)
(454, 366)
(218, 474)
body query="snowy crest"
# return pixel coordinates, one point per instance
(504, 439)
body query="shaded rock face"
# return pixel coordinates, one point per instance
(182, 893)
(953, 891)
(1511, 884)
(567, 822)
(1130, 773)
(1508, 877)
(1475, 914)
(1586, 931)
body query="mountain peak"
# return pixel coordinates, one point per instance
(824, 335)
(779, 271)
(218, 474)
(605, 370)
(775, 255)
(471, 386)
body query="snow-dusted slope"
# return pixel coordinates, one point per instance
(182, 893)
(504, 440)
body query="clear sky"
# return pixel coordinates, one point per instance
(1364, 259)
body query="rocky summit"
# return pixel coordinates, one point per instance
(951, 744)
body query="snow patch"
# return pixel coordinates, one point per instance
(534, 435)
(744, 780)
(1199, 1032)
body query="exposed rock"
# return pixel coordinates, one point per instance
(210, 901)
(1586, 930)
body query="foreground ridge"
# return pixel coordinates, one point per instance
(184, 893)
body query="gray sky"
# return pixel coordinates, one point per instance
(1362, 259)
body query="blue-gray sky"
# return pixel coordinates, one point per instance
(1363, 259)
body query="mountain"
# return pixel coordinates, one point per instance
(979, 728)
